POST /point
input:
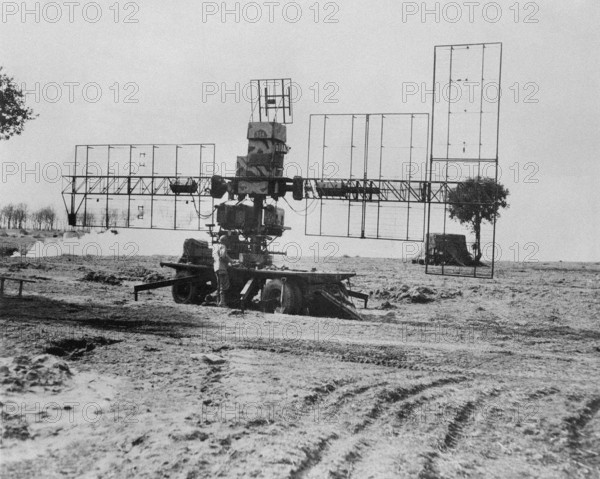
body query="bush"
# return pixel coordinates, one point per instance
(8, 250)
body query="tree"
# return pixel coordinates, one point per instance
(44, 218)
(474, 201)
(13, 112)
(20, 215)
(49, 217)
(112, 218)
(87, 219)
(37, 219)
(8, 212)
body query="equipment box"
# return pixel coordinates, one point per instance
(196, 252)
(235, 216)
(267, 131)
(274, 216)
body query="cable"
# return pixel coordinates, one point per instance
(202, 217)
(300, 212)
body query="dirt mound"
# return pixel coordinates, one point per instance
(154, 277)
(72, 348)
(386, 305)
(415, 294)
(140, 273)
(102, 277)
(450, 294)
(15, 267)
(23, 372)
(135, 272)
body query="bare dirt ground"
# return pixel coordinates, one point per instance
(493, 378)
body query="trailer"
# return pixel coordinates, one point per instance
(269, 289)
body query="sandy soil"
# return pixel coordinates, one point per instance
(489, 379)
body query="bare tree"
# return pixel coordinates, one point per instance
(87, 220)
(9, 213)
(37, 219)
(113, 217)
(20, 215)
(44, 218)
(50, 218)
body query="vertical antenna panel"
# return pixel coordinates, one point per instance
(466, 102)
(464, 156)
(364, 172)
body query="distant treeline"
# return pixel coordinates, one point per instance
(19, 216)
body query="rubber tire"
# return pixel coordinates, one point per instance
(190, 293)
(292, 298)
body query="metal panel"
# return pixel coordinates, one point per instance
(141, 186)
(464, 150)
(367, 175)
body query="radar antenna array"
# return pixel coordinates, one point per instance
(159, 186)
(272, 100)
(387, 176)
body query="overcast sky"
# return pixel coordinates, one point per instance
(153, 63)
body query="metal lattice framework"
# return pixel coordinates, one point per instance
(390, 176)
(464, 145)
(141, 186)
(272, 100)
(398, 176)
(372, 181)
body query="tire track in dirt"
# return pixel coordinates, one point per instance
(429, 470)
(456, 426)
(543, 393)
(404, 437)
(375, 357)
(313, 455)
(321, 391)
(342, 398)
(351, 450)
(396, 395)
(345, 464)
(402, 415)
(454, 432)
(388, 357)
(576, 424)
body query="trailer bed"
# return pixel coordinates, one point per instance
(310, 277)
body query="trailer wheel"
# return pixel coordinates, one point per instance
(188, 293)
(272, 300)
